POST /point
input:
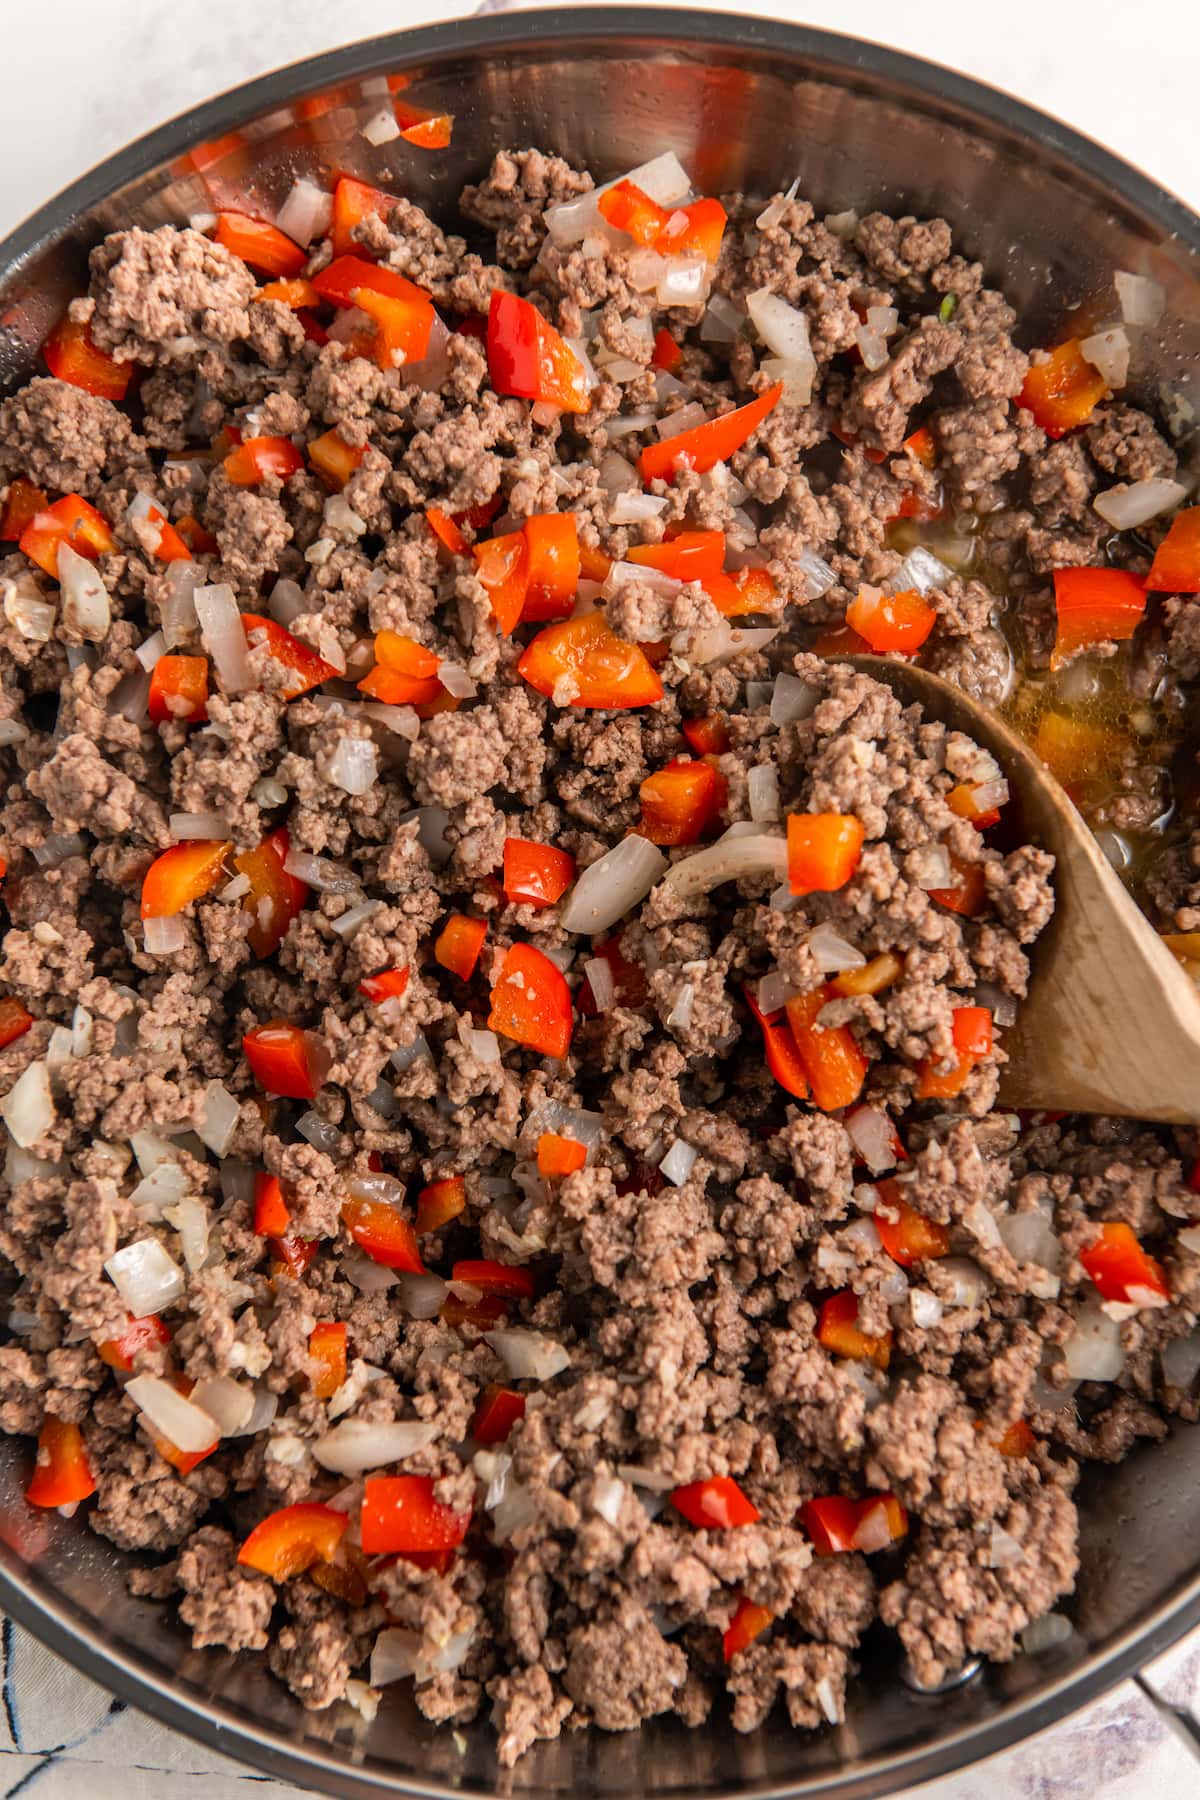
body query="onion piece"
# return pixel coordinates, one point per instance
(307, 212)
(611, 886)
(1181, 1360)
(381, 128)
(186, 1425)
(527, 1355)
(932, 867)
(230, 1404)
(736, 859)
(1108, 352)
(1030, 1237)
(663, 179)
(873, 1135)
(219, 1121)
(784, 330)
(926, 1308)
(318, 872)
(1127, 506)
(354, 765)
(1093, 1351)
(151, 653)
(27, 609)
(177, 609)
(684, 418)
(774, 991)
(395, 1656)
(598, 971)
(792, 699)
(818, 575)
(1046, 1633)
(831, 951)
(147, 1279)
(636, 509)
(354, 916)
(1142, 300)
(86, 607)
(368, 1276)
(871, 347)
(608, 1496)
(358, 1444)
(28, 1107)
(421, 1296)
(186, 825)
(723, 642)
(318, 1132)
(164, 936)
(762, 787)
(722, 321)
(678, 1163)
(921, 570)
(224, 635)
(680, 1016)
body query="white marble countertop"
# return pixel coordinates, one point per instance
(108, 70)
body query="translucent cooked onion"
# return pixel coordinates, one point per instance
(179, 1419)
(1030, 1237)
(421, 1296)
(484, 1046)
(229, 1403)
(354, 765)
(678, 1163)
(638, 1475)
(831, 951)
(1142, 300)
(318, 872)
(178, 606)
(619, 478)
(622, 424)
(381, 128)
(871, 347)
(368, 1276)
(306, 213)
(27, 609)
(762, 787)
(608, 1496)
(818, 576)
(432, 822)
(401, 721)
(1181, 1360)
(1093, 1351)
(784, 330)
(339, 515)
(1128, 506)
(684, 418)
(395, 1656)
(635, 508)
(871, 1132)
(1046, 1633)
(164, 936)
(721, 322)
(926, 1308)
(185, 825)
(1108, 351)
(611, 886)
(287, 601)
(774, 991)
(151, 653)
(664, 179)
(586, 1128)
(147, 1279)
(730, 859)
(680, 1016)
(968, 1283)
(83, 1028)
(527, 1355)
(354, 917)
(792, 699)
(883, 319)
(28, 1106)
(358, 1444)
(921, 570)
(84, 598)
(219, 1120)
(598, 971)
(932, 867)
(318, 1132)
(224, 635)
(416, 1051)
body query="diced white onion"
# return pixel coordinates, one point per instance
(402, 721)
(178, 607)
(408, 1054)
(27, 609)
(762, 787)
(287, 601)
(186, 825)
(608, 1495)
(229, 1403)
(151, 1151)
(678, 1163)
(598, 971)
(318, 1132)
(1143, 1298)
(85, 603)
(484, 1045)
(395, 1656)
(219, 1121)
(431, 832)
(306, 213)
(921, 570)
(151, 653)
(818, 575)
(784, 330)
(224, 635)
(680, 1016)
(319, 873)
(354, 917)
(724, 642)
(664, 180)
(831, 951)
(926, 1307)
(1142, 300)
(792, 699)
(456, 681)
(721, 322)
(1046, 1633)
(873, 1135)
(612, 885)
(684, 418)
(932, 864)
(421, 1296)
(1108, 351)
(622, 424)
(165, 936)
(734, 859)
(1093, 1351)
(1181, 1360)
(1030, 1237)
(618, 477)
(184, 1424)
(358, 1444)
(28, 1107)
(381, 128)
(630, 574)
(527, 1355)
(147, 1279)
(871, 347)
(636, 509)
(368, 1276)
(1126, 507)
(968, 1283)
(774, 990)
(354, 765)
(883, 319)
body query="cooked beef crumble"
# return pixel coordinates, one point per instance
(619, 1253)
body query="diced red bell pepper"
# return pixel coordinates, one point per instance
(1121, 1270)
(314, 331)
(295, 1255)
(834, 1523)
(691, 556)
(886, 622)
(1063, 391)
(914, 505)
(536, 874)
(184, 873)
(823, 851)
(506, 1279)
(553, 567)
(839, 640)
(558, 1156)
(347, 276)
(308, 668)
(445, 529)
(531, 1002)
(260, 459)
(969, 891)
(681, 802)
(389, 984)
(264, 247)
(498, 1410)
(705, 445)
(138, 1335)
(272, 1215)
(502, 565)
(1176, 565)
(783, 1053)
(334, 460)
(400, 1515)
(397, 689)
(838, 1330)
(715, 1504)
(293, 1539)
(582, 663)
(835, 1065)
(709, 735)
(70, 355)
(70, 520)
(402, 327)
(327, 1347)
(179, 690)
(693, 230)
(62, 1475)
(527, 356)
(626, 208)
(403, 654)
(296, 294)
(440, 1202)
(286, 1060)
(274, 896)
(22, 504)
(459, 943)
(921, 447)
(1095, 606)
(594, 564)
(1017, 1439)
(486, 1311)
(962, 800)
(169, 546)
(749, 1621)
(354, 201)
(383, 1234)
(667, 353)
(745, 591)
(199, 541)
(907, 1235)
(430, 134)
(15, 1020)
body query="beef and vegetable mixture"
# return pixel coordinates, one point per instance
(504, 1184)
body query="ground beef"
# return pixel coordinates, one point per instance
(395, 833)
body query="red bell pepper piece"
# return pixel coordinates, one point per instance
(1121, 1270)
(693, 230)
(1176, 565)
(264, 247)
(482, 1313)
(400, 1515)
(1095, 606)
(274, 896)
(354, 201)
(502, 565)
(293, 1539)
(558, 1156)
(179, 690)
(715, 1504)
(709, 735)
(505, 1279)
(527, 356)
(691, 556)
(459, 944)
(667, 353)
(907, 1235)
(535, 874)
(531, 1002)
(15, 1021)
(498, 1410)
(402, 327)
(440, 1202)
(747, 1623)
(626, 208)
(445, 529)
(62, 1475)
(823, 851)
(783, 1053)
(405, 655)
(286, 1060)
(260, 459)
(1063, 391)
(1017, 1439)
(969, 892)
(70, 520)
(553, 567)
(295, 1255)
(184, 873)
(708, 444)
(383, 1233)
(169, 546)
(327, 1347)
(389, 984)
(921, 447)
(838, 1330)
(582, 663)
(199, 541)
(22, 504)
(272, 1215)
(835, 1065)
(70, 355)
(432, 133)
(962, 799)
(138, 1335)
(297, 294)
(334, 460)
(681, 802)
(346, 277)
(834, 1523)
(886, 622)
(309, 669)
(745, 591)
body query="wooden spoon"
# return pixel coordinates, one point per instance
(1111, 1023)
